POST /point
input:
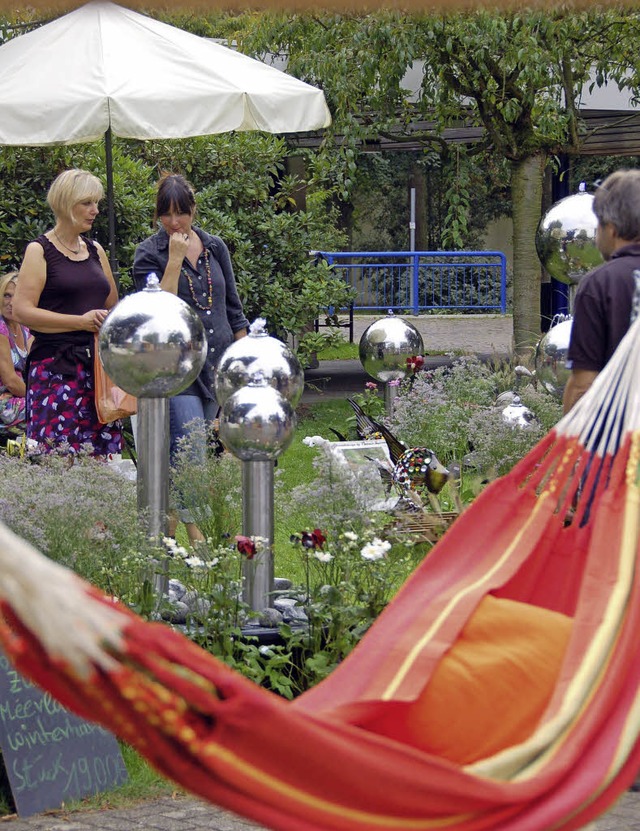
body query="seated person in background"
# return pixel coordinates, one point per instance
(14, 345)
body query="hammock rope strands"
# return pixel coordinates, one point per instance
(498, 690)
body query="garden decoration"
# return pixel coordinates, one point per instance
(551, 356)
(517, 415)
(258, 382)
(256, 425)
(259, 353)
(538, 576)
(386, 347)
(153, 345)
(411, 469)
(367, 428)
(566, 238)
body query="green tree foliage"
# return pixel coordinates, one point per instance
(515, 74)
(519, 75)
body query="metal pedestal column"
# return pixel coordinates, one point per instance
(153, 473)
(390, 392)
(258, 521)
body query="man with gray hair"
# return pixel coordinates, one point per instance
(606, 300)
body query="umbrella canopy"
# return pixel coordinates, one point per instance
(104, 69)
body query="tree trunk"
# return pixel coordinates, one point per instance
(526, 196)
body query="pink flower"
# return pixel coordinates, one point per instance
(371, 385)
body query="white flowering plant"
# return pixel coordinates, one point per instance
(349, 581)
(452, 410)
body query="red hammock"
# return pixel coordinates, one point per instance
(499, 689)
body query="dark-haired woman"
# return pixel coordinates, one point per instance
(195, 266)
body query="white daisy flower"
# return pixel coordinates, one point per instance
(375, 550)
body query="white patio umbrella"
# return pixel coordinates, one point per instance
(104, 69)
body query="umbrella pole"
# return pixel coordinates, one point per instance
(108, 155)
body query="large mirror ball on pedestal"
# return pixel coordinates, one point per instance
(152, 344)
(385, 346)
(257, 422)
(566, 239)
(566, 246)
(259, 354)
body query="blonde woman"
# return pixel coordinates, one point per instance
(64, 293)
(14, 347)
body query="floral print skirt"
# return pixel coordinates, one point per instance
(12, 415)
(61, 412)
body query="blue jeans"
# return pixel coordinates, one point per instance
(183, 412)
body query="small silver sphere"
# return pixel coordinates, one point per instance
(551, 354)
(152, 344)
(257, 423)
(566, 239)
(259, 353)
(385, 346)
(517, 415)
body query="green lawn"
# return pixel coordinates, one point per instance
(295, 467)
(342, 352)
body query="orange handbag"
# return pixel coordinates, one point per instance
(112, 402)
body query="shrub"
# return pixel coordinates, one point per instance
(81, 513)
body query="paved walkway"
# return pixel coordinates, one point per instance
(186, 814)
(484, 334)
(461, 333)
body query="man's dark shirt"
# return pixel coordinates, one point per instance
(602, 310)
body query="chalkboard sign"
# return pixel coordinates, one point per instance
(50, 755)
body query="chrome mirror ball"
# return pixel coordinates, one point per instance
(566, 238)
(385, 346)
(550, 357)
(257, 422)
(259, 353)
(152, 344)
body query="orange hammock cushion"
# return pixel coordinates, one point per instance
(505, 661)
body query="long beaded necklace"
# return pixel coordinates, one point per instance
(207, 266)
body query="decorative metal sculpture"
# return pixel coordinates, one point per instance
(259, 353)
(517, 415)
(566, 238)
(153, 345)
(257, 424)
(551, 356)
(384, 348)
(258, 382)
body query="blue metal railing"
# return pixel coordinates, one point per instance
(415, 281)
